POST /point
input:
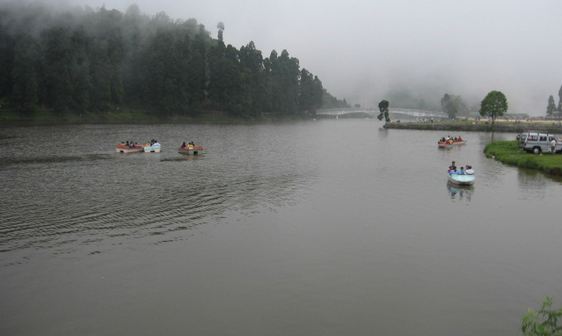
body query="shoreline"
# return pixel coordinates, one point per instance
(478, 126)
(139, 119)
(508, 152)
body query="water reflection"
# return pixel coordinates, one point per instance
(532, 182)
(53, 159)
(460, 192)
(184, 158)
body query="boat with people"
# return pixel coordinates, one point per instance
(448, 142)
(462, 176)
(461, 180)
(191, 149)
(152, 147)
(129, 147)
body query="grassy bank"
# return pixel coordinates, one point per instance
(511, 126)
(509, 152)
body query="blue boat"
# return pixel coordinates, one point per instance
(462, 180)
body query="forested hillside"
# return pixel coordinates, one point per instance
(84, 61)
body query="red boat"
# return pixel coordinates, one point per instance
(127, 148)
(192, 149)
(449, 143)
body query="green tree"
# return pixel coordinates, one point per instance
(453, 105)
(220, 27)
(551, 107)
(560, 100)
(7, 45)
(24, 74)
(544, 322)
(493, 105)
(329, 101)
(253, 77)
(57, 79)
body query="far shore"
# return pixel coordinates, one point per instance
(135, 117)
(483, 125)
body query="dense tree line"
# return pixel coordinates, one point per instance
(93, 61)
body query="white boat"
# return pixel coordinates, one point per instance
(154, 148)
(462, 180)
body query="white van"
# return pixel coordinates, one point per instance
(539, 142)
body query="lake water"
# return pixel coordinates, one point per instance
(332, 227)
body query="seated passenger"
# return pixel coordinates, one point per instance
(461, 172)
(453, 167)
(183, 145)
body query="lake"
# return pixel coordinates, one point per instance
(331, 227)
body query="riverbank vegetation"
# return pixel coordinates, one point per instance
(476, 125)
(81, 65)
(509, 152)
(544, 322)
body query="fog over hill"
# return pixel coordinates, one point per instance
(366, 50)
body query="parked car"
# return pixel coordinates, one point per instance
(536, 142)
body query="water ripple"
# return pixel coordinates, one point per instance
(68, 197)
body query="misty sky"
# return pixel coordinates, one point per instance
(361, 49)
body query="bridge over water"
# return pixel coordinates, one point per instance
(351, 112)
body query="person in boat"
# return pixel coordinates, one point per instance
(183, 145)
(459, 139)
(469, 170)
(461, 172)
(453, 166)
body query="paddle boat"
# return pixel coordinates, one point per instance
(152, 148)
(448, 143)
(129, 148)
(191, 149)
(461, 179)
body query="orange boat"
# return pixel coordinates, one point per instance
(449, 143)
(192, 149)
(126, 148)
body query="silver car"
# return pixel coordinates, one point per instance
(539, 142)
